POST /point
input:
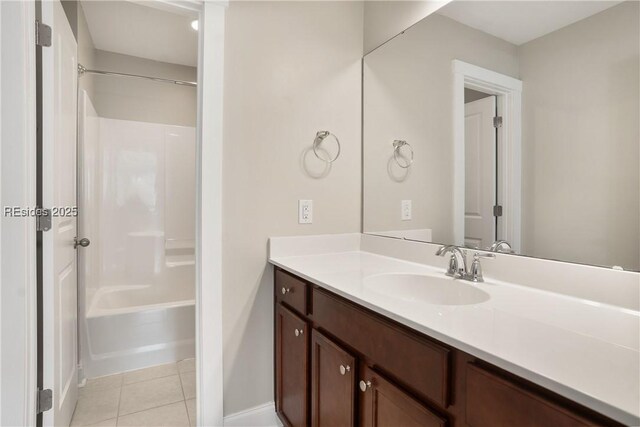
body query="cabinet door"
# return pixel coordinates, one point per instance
(332, 383)
(292, 363)
(493, 400)
(383, 404)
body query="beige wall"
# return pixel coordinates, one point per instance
(291, 69)
(86, 52)
(408, 87)
(581, 140)
(135, 99)
(385, 19)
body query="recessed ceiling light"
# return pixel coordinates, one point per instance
(194, 24)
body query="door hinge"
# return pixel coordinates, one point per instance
(497, 210)
(497, 122)
(44, 401)
(43, 220)
(43, 34)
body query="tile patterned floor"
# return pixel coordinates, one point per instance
(162, 395)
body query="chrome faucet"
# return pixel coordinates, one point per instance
(458, 264)
(501, 246)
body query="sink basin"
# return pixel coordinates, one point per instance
(425, 289)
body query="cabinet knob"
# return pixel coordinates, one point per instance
(365, 385)
(344, 369)
(285, 290)
(298, 332)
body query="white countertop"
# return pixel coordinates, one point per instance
(586, 351)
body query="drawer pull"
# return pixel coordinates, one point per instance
(285, 290)
(298, 332)
(344, 369)
(365, 385)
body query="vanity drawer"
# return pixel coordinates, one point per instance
(493, 400)
(419, 364)
(291, 291)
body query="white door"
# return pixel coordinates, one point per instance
(480, 172)
(59, 298)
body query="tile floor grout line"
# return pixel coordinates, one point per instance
(184, 397)
(151, 379)
(148, 409)
(185, 400)
(119, 400)
(187, 409)
(150, 367)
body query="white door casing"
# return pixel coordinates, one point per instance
(18, 292)
(480, 173)
(509, 98)
(59, 270)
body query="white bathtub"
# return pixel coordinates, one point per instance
(133, 327)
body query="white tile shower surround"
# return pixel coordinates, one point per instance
(573, 329)
(162, 395)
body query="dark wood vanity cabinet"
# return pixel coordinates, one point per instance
(339, 364)
(333, 383)
(292, 366)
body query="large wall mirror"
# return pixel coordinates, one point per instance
(509, 120)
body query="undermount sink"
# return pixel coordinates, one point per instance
(425, 289)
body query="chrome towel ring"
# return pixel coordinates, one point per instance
(397, 145)
(320, 137)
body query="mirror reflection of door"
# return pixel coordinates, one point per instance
(480, 169)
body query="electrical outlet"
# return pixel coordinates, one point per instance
(405, 210)
(305, 211)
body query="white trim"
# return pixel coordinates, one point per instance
(509, 100)
(261, 415)
(18, 266)
(209, 339)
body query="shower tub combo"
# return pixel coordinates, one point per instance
(137, 278)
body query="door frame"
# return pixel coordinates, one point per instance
(508, 91)
(209, 338)
(18, 296)
(209, 137)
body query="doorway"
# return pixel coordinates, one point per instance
(481, 173)
(506, 188)
(138, 301)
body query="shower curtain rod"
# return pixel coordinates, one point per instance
(83, 70)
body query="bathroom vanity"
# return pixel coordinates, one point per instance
(485, 129)
(358, 343)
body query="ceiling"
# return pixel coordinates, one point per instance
(519, 22)
(143, 30)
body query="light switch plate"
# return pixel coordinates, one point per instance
(305, 211)
(405, 213)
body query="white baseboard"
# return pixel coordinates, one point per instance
(258, 416)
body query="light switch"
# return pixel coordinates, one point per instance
(405, 214)
(305, 211)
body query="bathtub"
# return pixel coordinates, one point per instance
(136, 326)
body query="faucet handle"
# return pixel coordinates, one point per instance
(453, 266)
(475, 272)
